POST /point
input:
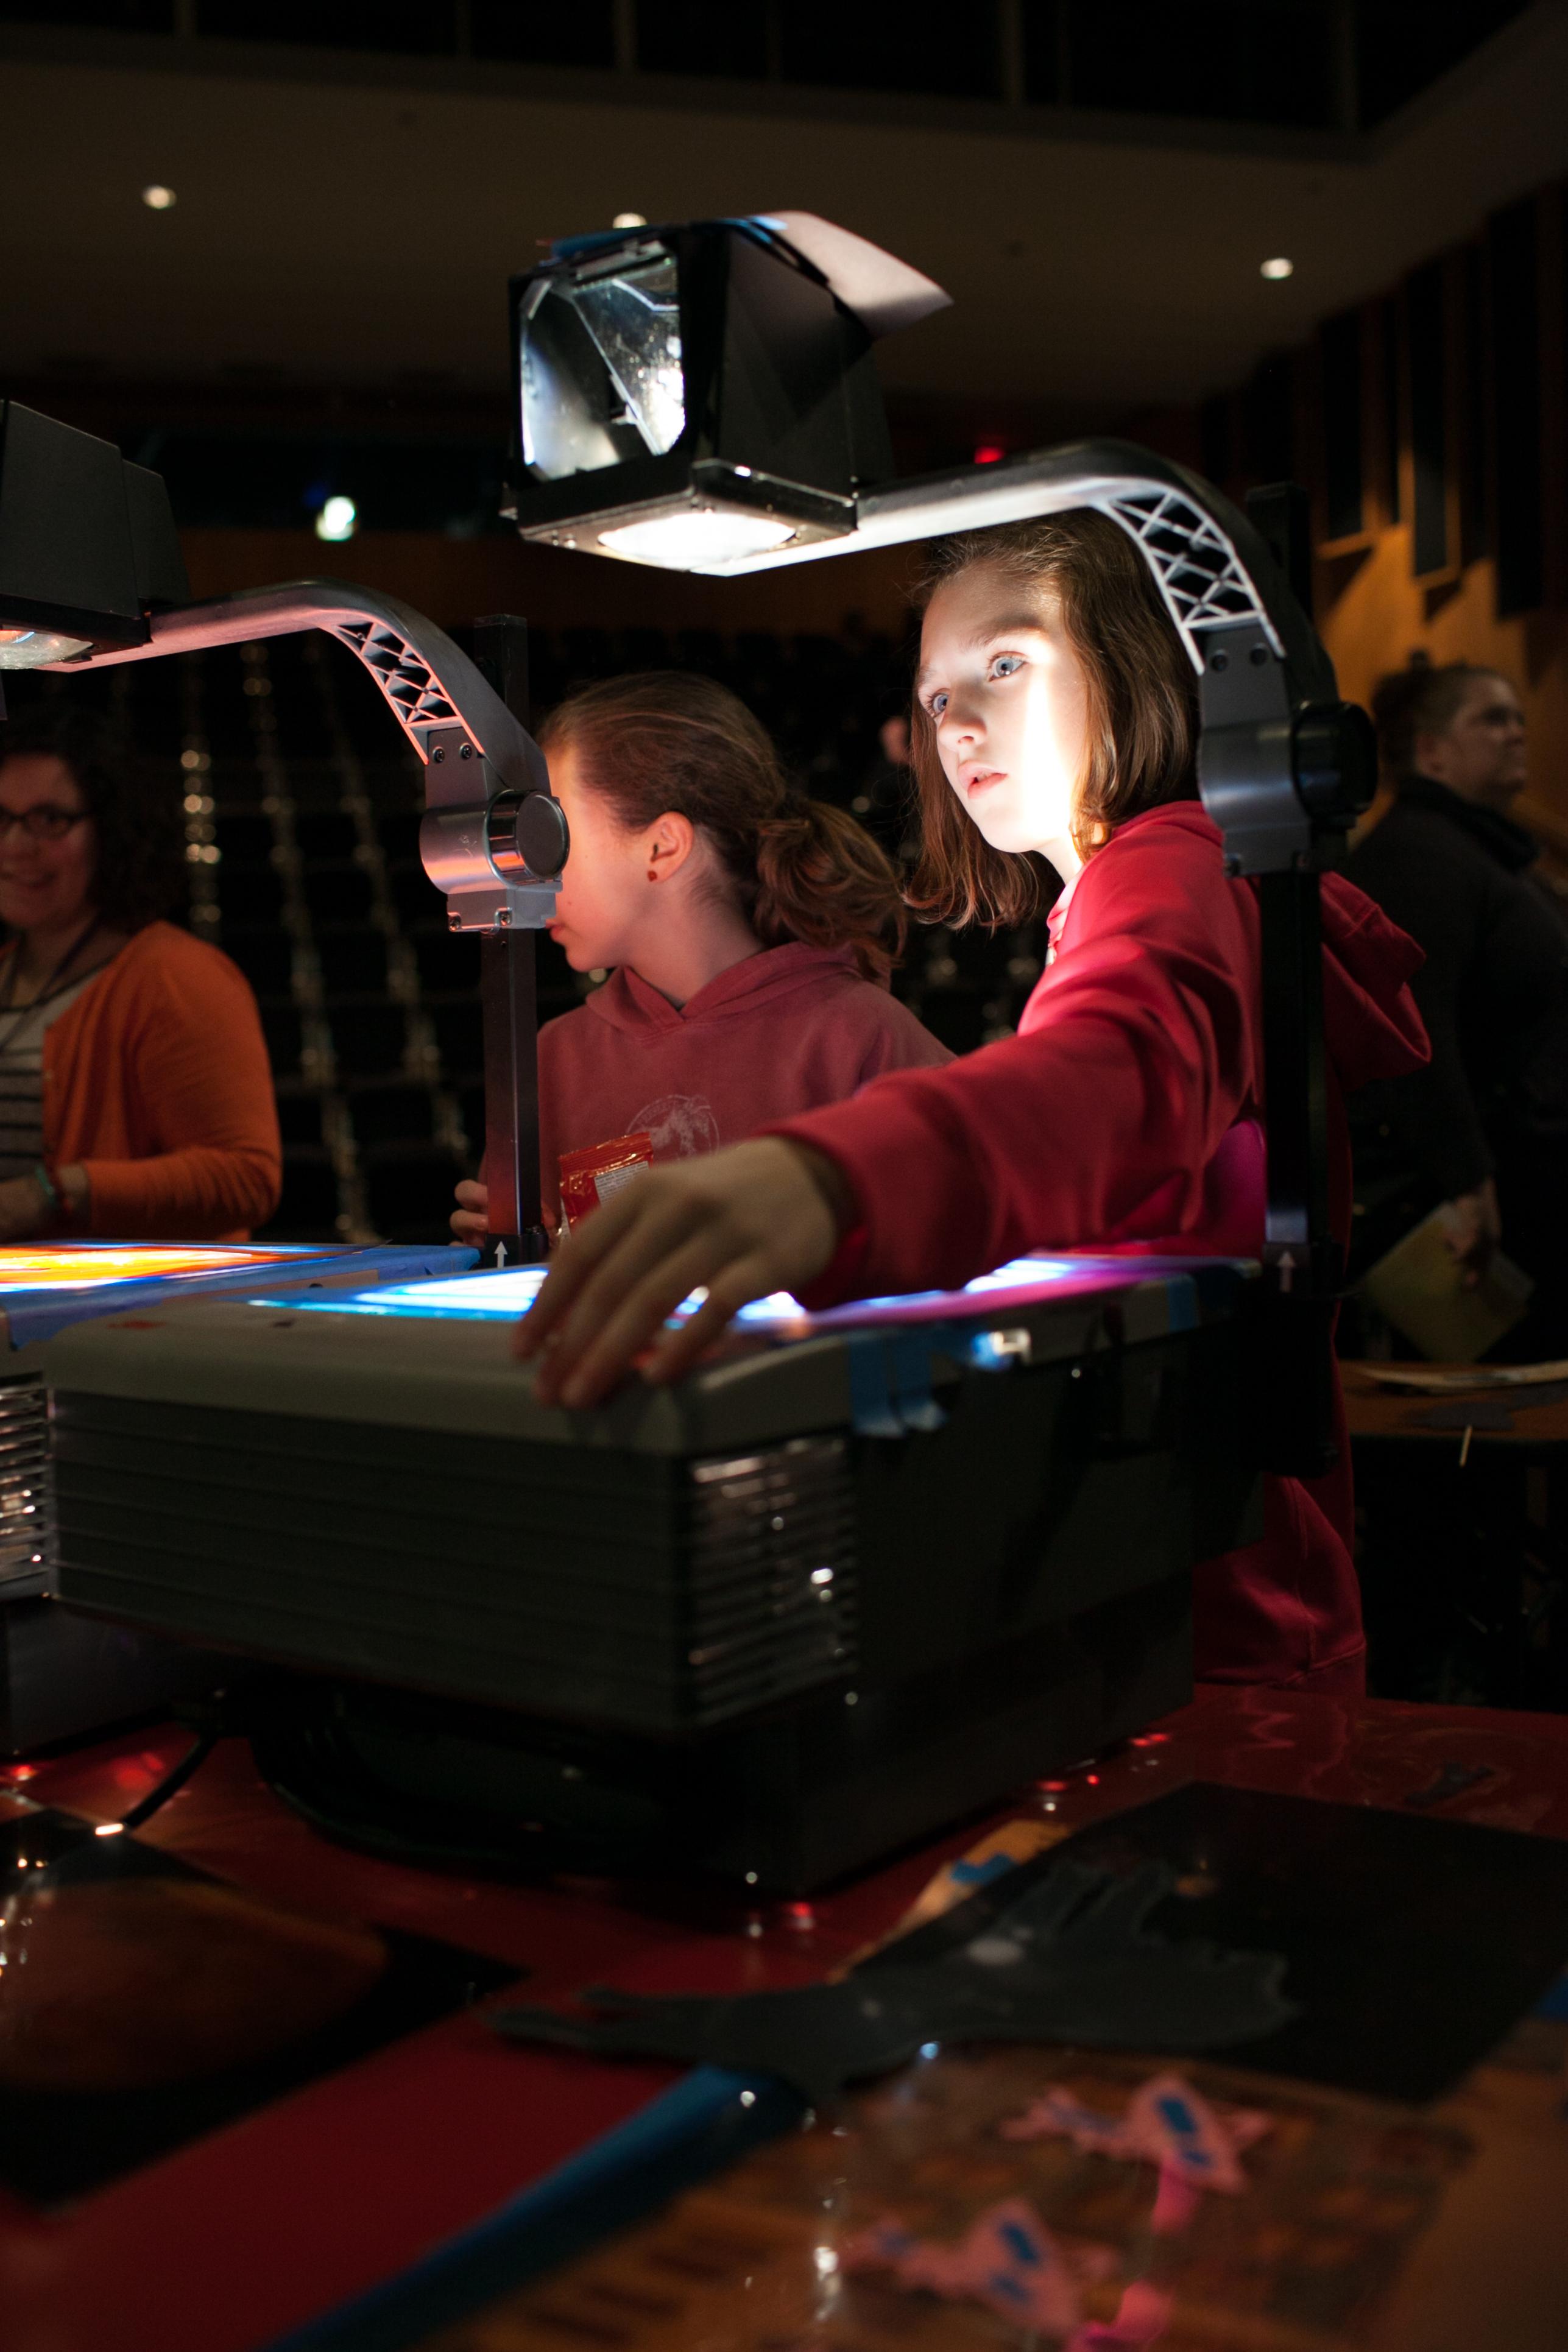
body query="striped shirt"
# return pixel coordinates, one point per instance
(22, 1075)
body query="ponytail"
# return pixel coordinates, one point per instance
(665, 741)
(822, 878)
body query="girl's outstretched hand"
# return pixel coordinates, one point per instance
(762, 1216)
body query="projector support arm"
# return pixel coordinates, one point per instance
(511, 1001)
(493, 840)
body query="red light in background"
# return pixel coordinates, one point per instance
(1093, 1780)
(989, 453)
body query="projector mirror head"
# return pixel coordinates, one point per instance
(88, 545)
(702, 393)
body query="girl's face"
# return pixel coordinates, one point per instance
(605, 881)
(44, 883)
(1009, 701)
(622, 886)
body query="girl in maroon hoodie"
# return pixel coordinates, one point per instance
(1056, 717)
(748, 933)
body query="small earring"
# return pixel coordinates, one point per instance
(653, 874)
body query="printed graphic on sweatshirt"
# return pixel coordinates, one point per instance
(681, 1126)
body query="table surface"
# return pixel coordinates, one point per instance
(1493, 1416)
(243, 2236)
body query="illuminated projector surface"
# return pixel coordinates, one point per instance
(89, 1265)
(511, 1292)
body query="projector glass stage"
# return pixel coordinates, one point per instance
(89, 1265)
(510, 1292)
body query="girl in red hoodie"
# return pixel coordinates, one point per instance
(748, 933)
(1056, 718)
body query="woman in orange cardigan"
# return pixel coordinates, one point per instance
(135, 1095)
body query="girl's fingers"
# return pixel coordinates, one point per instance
(675, 1352)
(590, 1363)
(754, 1219)
(649, 1236)
(578, 1255)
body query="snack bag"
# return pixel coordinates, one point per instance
(596, 1173)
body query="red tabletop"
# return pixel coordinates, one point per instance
(232, 2241)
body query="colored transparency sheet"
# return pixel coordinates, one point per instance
(507, 1294)
(43, 1289)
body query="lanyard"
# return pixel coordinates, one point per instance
(49, 986)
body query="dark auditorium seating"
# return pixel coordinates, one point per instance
(249, 894)
(307, 1210)
(340, 894)
(353, 962)
(460, 1037)
(369, 1040)
(392, 1114)
(265, 957)
(408, 1188)
(449, 961)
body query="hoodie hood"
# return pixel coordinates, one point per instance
(1371, 1026)
(628, 1002)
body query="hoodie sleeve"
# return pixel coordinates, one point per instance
(201, 1069)
(1136, 1055)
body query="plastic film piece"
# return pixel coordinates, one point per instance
(910, 1346)
(872, 1410)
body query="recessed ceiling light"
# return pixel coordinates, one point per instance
(338, 520)
(1277, 268)
(157, 198)
(629, 220)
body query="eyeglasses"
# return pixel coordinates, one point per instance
(41, 823)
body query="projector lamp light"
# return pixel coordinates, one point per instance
(338, 520)
(696, 536)
(31, 648)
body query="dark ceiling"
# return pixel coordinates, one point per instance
(1097, 182)
(1345, 65)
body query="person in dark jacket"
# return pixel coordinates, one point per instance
(1484, 1126)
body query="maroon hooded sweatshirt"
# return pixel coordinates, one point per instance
(784, 1031)
(1127, 1112)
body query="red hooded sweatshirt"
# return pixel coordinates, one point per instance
(1125, 1111)
(786, 1030)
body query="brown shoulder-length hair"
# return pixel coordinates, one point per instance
(669, 742)
(1142, 709)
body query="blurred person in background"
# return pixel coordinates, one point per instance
(1485, 1127)
(136, 1097)
(885, 804)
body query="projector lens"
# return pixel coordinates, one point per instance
(30, 648)
(602, 373)
(695, 536)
